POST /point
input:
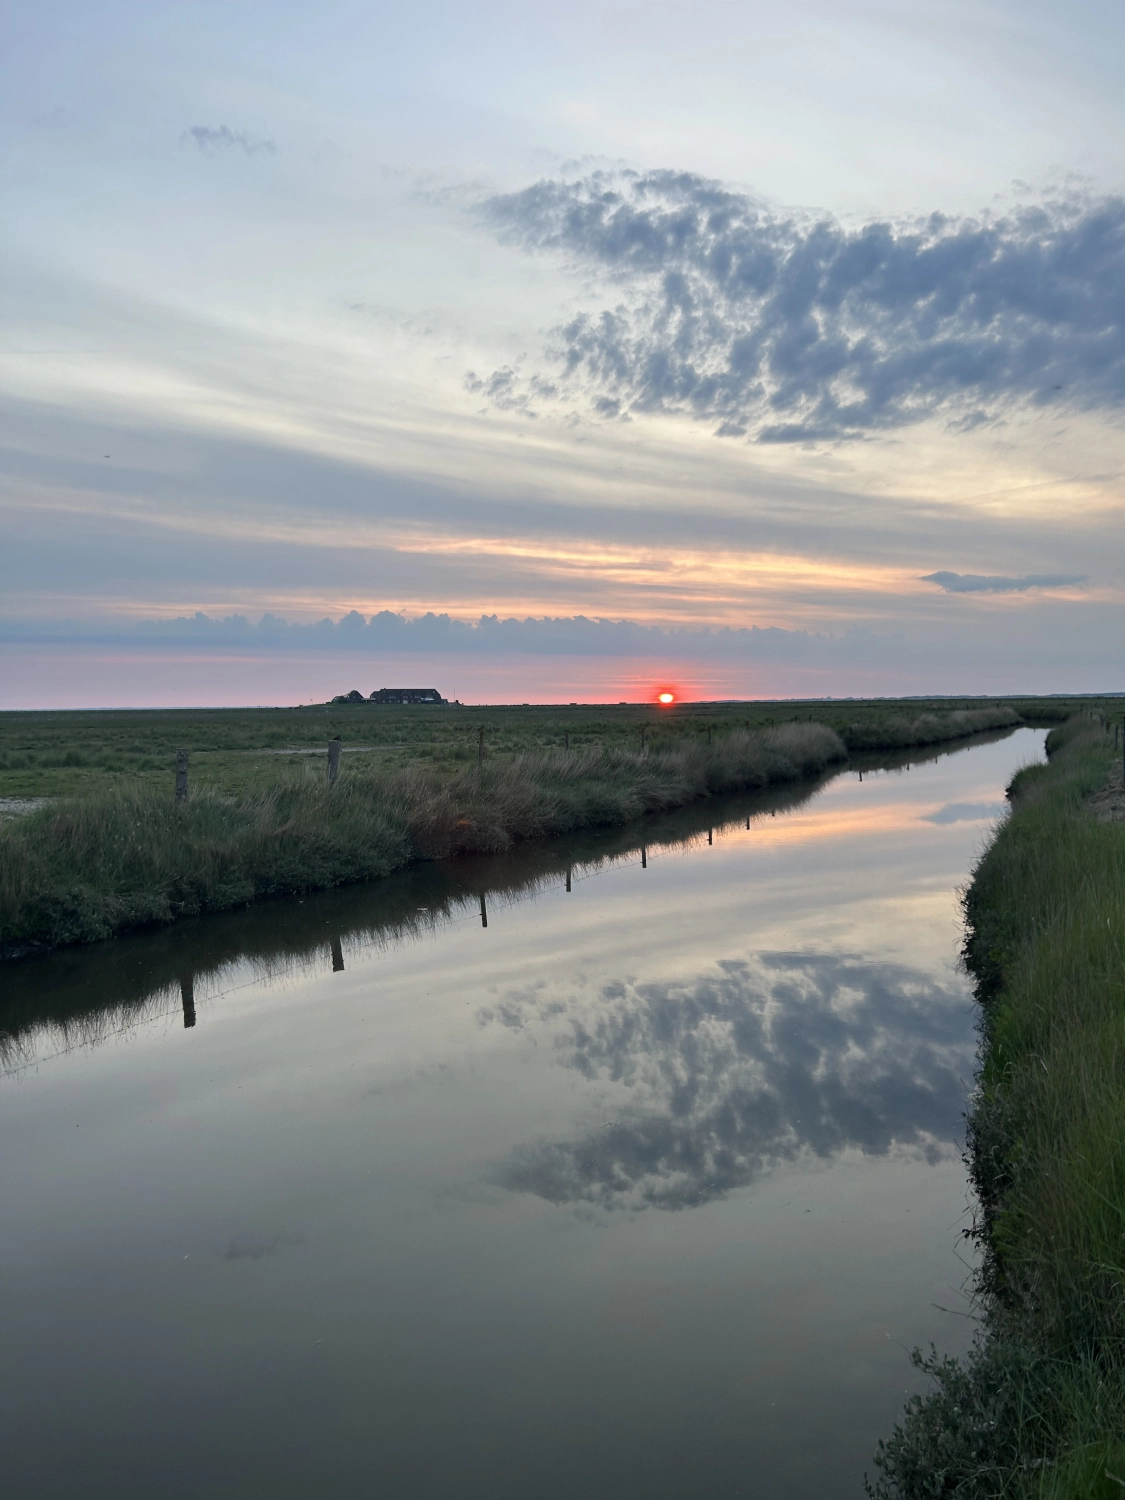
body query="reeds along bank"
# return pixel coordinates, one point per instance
(131, 855)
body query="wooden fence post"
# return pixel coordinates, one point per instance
(566, 743)
(181, 775)
(568, 877)
(337, 956)
(644, 858)
(483, 912)
(187, 999)
(333, 759)
(480, 760)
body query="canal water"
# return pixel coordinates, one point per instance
(622, 1166)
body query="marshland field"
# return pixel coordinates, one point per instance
(236, 750)
(95, 841)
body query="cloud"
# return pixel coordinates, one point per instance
(503, 389)
(210, 139)
(754, 1064)
(981, 583)
(575, 635)
(793, 328)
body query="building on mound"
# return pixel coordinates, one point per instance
(407, 695)
(355, 696)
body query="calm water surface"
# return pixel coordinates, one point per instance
(642, 1189)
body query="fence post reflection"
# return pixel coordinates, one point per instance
(187, 999)
(337, 956)
(483, 912)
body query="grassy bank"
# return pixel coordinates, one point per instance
(1039, 1409)
(237, 751)
(901, 731)
(129, 856)
(76, 996)
(117, 852)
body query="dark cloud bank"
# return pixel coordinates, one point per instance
(387, 631)
(793, 1055)
(790, 328)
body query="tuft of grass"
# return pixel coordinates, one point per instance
(129, 856)
(1039, 1409)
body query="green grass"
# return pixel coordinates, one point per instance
(1039, 1410)
(129, 855)
(240, 750)
(74, 997)
(112, 851)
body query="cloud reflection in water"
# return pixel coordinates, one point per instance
(967, 812)
(760, 1062)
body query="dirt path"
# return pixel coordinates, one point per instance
(1109, 804)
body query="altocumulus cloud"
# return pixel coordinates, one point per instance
(984, 583)
(790, 328)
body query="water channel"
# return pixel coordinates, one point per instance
(621, 1166)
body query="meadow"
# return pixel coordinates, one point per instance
(234, 751)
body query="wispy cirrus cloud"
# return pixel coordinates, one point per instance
(793, 328)
(211, 139)
(985, 583)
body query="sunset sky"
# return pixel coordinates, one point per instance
(551, 353)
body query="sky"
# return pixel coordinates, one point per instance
(546, 355)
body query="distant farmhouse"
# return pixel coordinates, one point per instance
(393, 695)
(407, 695)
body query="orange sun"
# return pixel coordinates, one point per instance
(666, 697)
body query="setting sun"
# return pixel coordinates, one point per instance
(666, 698)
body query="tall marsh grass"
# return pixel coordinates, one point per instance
(900, 731)
(130, 856)
(1039, 1409)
